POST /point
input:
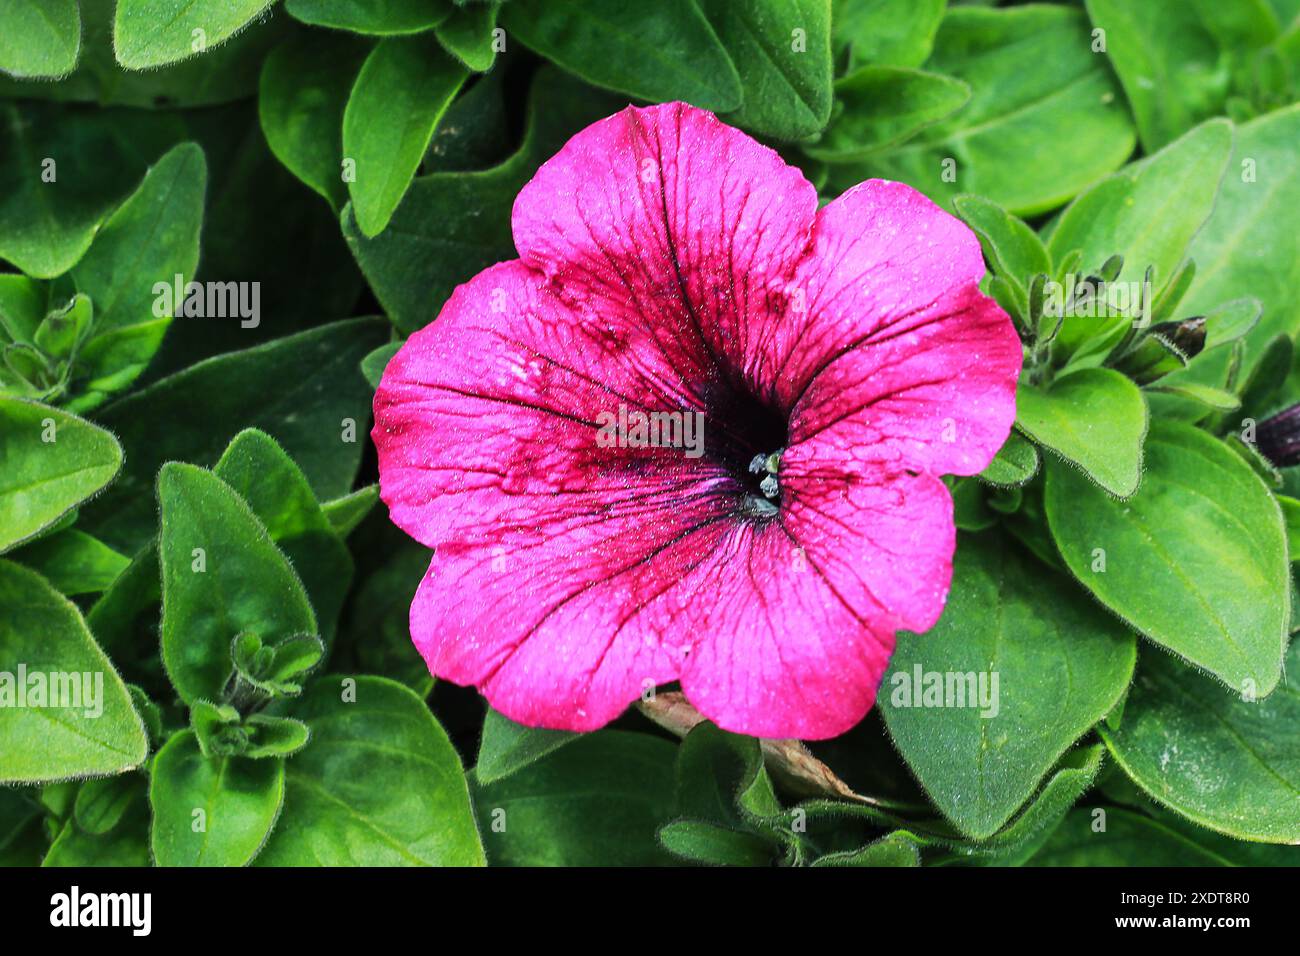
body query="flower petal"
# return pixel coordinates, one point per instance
(551, 624)
(796, 618)
(883, 540)
(549, 542)
(668, 213)
(896, 350)
(489, 417)
(670, 263)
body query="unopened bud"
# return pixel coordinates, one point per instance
(1188, 336)
(1278, 437)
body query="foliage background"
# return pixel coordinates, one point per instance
(358, 159)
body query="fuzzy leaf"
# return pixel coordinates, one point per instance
(89, 728)
(1196, 560)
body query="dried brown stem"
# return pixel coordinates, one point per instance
(790, 762)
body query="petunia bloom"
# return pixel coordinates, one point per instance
(676, 275)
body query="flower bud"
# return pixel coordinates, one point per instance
(1188, 335)
(1278, 437)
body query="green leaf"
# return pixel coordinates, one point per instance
(1263, 381)
(1116, 787)
(103, 802)
(726, 795)
(378, 623)
(431, 247)
(242, 244)
(469, 35)
(218, 728)
(302, 94)
(73, 561)
(259, 471)
(1015, 464)
(278, 669)
(373, 365)
(721, 778)
(980, 751)
(1006, 143)
(379, 785)
(125, 618)
(1246, 248)
(346, 512)
(1287, 10)
(1227, 763)
(885, 105)
(135, 594)
(782, 51)
(63, 176)
(149, 712)
(22, 841)
(1150, 210)
(211, 812)
(223, 75)
(41, 38)
(476, 132)
(715, 845)
(1196, 560)
(275, 736)
(596, 801)
(126, 844)
(894, 849)
(221, 575)
(22, 307)
(507, 747)
(1175, 58)
(53, 462)
(17, 808)
(1012, 249)
(150, 33)
(402, 91)
(1175, 289)
(111, 361)
(151, 239)
(1153, 358)
(885, 32)
(63, 329)
(1020, 838)
(376, 17)
(970, 506)
(55, 661)
(1215, 398)
(57, 799)
(1095, 418)
(1291, 513)
(660, 52)
(28, 373)
(318, 390)
(1129, 839)
(257, 468)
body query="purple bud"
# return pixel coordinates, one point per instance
(1278, 437)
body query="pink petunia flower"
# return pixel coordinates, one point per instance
(694, 432)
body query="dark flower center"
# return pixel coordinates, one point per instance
(747, 436)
